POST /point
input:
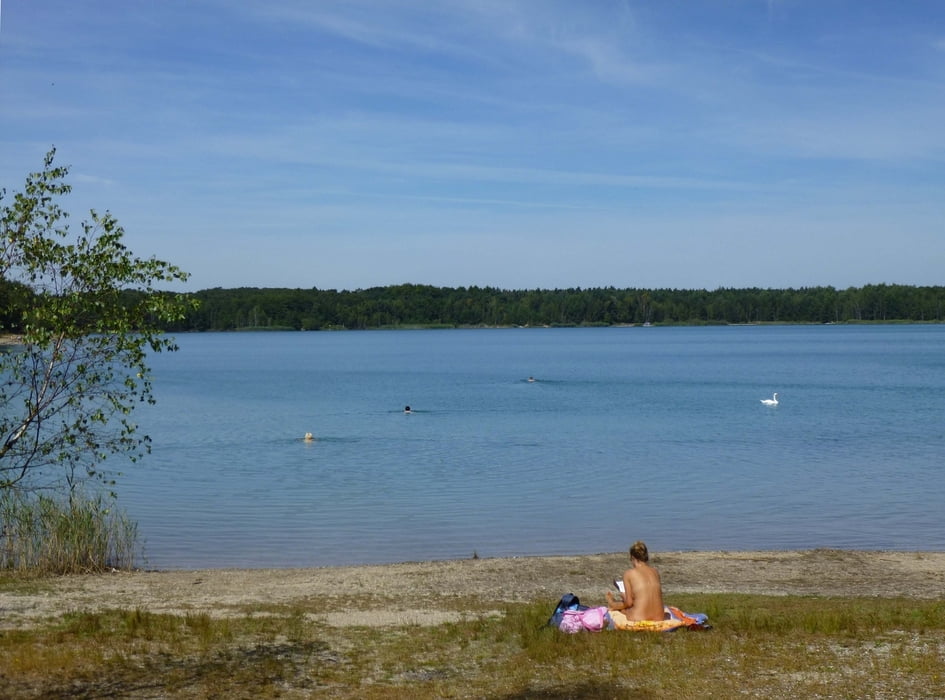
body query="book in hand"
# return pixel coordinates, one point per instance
(618, 584)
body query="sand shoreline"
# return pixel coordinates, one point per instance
(438, 591)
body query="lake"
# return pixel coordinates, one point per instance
(626, 433)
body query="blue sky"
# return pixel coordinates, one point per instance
(508, 143)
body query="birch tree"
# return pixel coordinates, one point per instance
(90, 316)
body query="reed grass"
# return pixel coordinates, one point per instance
(769, 647)
(46, 535)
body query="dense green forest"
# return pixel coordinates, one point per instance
(427, 306)
(413, 305)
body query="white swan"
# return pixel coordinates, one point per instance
(772, 401)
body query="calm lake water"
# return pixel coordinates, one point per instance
(627, 433)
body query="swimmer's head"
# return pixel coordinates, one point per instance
(308, 437)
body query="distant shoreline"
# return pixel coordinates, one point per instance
(14, 339)
(447, 327)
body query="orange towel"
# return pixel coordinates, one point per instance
(675, 618)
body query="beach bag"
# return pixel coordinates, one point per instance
(568, 601)
(586, 620)
(594, 619)
(571, 622)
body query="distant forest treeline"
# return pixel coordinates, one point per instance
(410, 305)
(414, 305)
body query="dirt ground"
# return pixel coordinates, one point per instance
(435, 592)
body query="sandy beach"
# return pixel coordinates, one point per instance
(434, 592)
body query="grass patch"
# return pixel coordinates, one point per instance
(759, 647)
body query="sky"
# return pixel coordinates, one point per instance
(519, 144)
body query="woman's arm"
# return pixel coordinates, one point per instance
(625, 600)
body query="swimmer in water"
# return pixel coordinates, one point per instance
(407, 409)
(308, 437)
(531, 379)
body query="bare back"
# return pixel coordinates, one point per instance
(644, 592)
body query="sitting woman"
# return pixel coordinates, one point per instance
(642, 597)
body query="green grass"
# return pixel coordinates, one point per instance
(759, 647)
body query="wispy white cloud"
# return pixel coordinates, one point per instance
(602, 127)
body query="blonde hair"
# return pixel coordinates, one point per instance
(639, 552)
